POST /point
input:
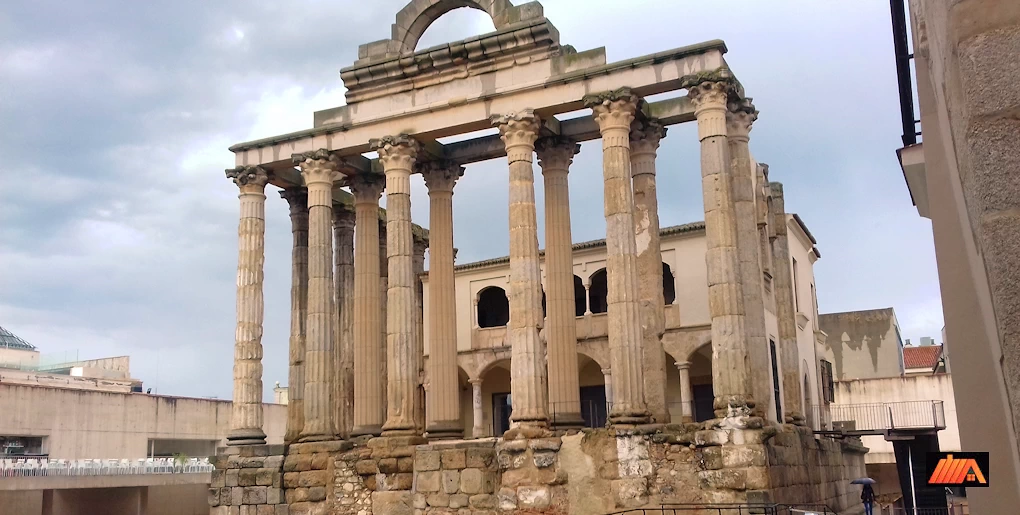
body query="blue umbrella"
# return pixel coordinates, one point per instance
(863, 481)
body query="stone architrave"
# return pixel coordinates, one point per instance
(739, 118)
(644, 143)
(320, 169)
(246, 411)
(368, 343)
(421, 244)
(527, 362)
(343, 235)
(785, 312)
(397, 155)
(297, 198)
(614, 111)
(554, 156)
(730, 373)
(443, 406)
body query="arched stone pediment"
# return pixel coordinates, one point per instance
(418, 15)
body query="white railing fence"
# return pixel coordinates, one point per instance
(29, 467)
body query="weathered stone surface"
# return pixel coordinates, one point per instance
(297, 462)
(438, 499)
(392, 503)
(246, 477)
(454, 459)
(458, 501)
(405, 464)
(476, 481)
(231, 477)
(274, 495)
(388, 465)
(451, 481)
(507, 498)
(264, 477)
(427, 460)
(313, 478)
(544, 459)
(483, 501)
(533, 497)
(365, 467)
(480, 458)
(254, 495)
(392, 482)
(428, 482)
(237, 496)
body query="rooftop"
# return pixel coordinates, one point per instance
(926, 356)
(12, 341)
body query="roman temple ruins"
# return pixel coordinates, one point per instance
(661, 365)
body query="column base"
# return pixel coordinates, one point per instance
(318, 438)
(373, 430)
(449, 430)
(527, 431)
(630, 419)
(246, 437)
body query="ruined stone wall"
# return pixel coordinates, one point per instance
(803, 469)
(248, 480)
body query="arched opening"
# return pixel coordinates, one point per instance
(454, 25)
(495, 394)
(594, 397)
(668, 285)
(809, 410)
(580, 300)
(493, 307)
(597, 293)
(701, 383)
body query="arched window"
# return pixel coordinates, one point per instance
(580, 302)
(597, 294)
(493, 307)
(668, 285)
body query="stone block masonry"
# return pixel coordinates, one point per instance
(248, 480)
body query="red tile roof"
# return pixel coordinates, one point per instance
(921, 357)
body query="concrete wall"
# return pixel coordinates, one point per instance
(10, 356)
(30, 378)
(898, 389)
(968, 94)
(863, 344)
(151, 500)
(90, 424)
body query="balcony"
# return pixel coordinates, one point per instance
(883, 418)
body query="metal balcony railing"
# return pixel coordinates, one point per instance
(31, 467)
(882, 417)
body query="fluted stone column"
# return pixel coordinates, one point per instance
(421, 243)
(555, 155)
(527, 362)
(368, 343)
(478, 417)
(298, 200)
(320, 170)
(730, 373)
(384, 287)
(443, 403)
(739, 117)
(397, 155)
(686, 393)
(614, 111)
(782, 284)
(343, 235)
(246, 412)
(644, 143)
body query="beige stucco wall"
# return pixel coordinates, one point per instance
(93, 424)
(902, 389)
(687, 319)
(966, 70)
(10, 356)
(863, 344)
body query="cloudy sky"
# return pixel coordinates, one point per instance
(118, 228)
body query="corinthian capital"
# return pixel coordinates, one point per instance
(709, 95)
(740, 115)
(440, 176)
(556, 153)
(367, 187)
(249, 178)
(318, 166)
(297, 198)
(520, 128)
(396, 152)
(613, 109)
(645, 136)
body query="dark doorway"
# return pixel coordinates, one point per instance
(668, 285)
(493, 307)
(580, 300)
(501, 409)
(593, 406)
(597, 293)
(704, 397)
(775, 381)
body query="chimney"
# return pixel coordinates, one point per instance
(926, 341)
(907, 343)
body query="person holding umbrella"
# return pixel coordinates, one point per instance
(867, 494)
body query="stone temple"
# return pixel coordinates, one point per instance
(390, 365)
